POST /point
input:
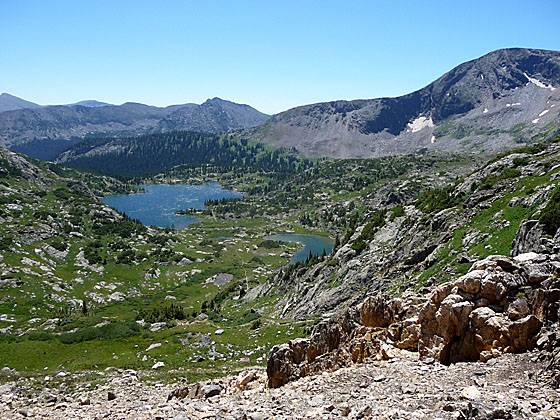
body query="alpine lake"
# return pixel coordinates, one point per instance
(158, 205)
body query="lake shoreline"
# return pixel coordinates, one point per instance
(157, 205)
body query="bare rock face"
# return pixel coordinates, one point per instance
(549, 345)
(531, 238)
(498, 307)
(361, 333)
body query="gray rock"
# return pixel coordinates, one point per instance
(211, 390)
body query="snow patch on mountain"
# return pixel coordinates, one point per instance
(538, 83)
(420, 123)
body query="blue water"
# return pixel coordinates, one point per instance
(313, 244)
(158, 204)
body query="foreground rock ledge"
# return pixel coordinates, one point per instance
(500, 306)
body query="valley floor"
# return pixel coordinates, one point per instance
(508, 387)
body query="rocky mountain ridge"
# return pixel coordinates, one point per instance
(499, 306)
(481, 105)
(489, 104)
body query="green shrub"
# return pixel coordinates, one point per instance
(520, 161)
(59, 243)
(114, 330)
(127, 256)
(491, 180)
(163, 313)
(531, 149)
(268, 244)
(62, 193)
(256, 324)
(397, 211)
(123, 228)
(40, 336)
(8, 170)
(6, 242)
(376, 220)
(359, 245)
(436, 199)
(92, 252)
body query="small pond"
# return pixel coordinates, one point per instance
(312, 244)
(158, 204)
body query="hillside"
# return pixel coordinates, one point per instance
(90, 103)
(414, 242)
(81, 282)
(484, 105)
(154, 153)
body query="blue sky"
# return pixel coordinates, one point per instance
(270, 54)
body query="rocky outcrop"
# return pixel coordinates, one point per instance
(549, 345)
(531, 238)
(498, 307)
(358, 334)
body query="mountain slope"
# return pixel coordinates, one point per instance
(10, 103)
(490, 95)
(404, 242)
(61, 122)
(154, 153)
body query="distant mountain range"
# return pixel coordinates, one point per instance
(43, 131)
(488, 104)
(12, 103)
(91, 103)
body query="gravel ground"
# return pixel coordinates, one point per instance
(509, 387)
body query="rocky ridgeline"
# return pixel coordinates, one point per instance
(502, 305)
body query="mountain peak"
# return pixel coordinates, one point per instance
(91, 103)
(217, 100)
(9, 102)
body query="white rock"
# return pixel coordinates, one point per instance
(471, 393)
(158, 365)
(153, 346)
(528, 256)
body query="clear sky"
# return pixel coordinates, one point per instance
(272, 55)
